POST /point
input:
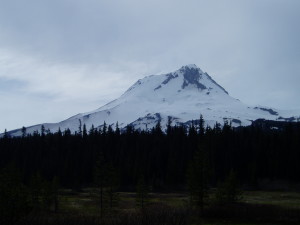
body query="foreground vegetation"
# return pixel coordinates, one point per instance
(181, 176)
(257, 207)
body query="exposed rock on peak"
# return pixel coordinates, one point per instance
(192, 75)
(191, 66)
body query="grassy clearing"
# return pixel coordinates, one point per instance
(86, 202)
(276, 198)
(256, 207)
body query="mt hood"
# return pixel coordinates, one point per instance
(179, 97)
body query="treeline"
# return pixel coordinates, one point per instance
(162, 158)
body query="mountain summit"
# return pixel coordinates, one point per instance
(179, 97)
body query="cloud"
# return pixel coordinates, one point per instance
(35, 91)
(76, 55)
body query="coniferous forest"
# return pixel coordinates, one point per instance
(179, 159)
(253, 152)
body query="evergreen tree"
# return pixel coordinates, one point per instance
(42, 193)
(112, 184)
(100, 180)
(169, 125)
(92, 130)
(13, 196)
(54, 193)
(80, 128)
(201, 126)
(228, 192)
(117, 132)
(104, 129)
(37, 191)
(59, 133)
(42, 130)
(157, 129)
(198, 178)
(84, 131)
(5, 134)
(142, 193)
(23, 132)
(192, 130)
(110, 131)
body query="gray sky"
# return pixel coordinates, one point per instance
(62, 57)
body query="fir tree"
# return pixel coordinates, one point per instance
(169, 125)
(100, 180)
(117, 132)
(84, 131)
(92, 130)
(201, 126)
(104, 129)
(198, 177)
(42, 130)
(112, 184)
(54, 193)
(110, 131)
(36, 188)
(228, 192)
(13, 196)
(5, 134)
(80, 128)
(142, 193)
(59, 133)
(24, 132)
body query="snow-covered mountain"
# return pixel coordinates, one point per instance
(181, 96)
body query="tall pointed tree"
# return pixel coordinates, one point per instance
(198, 177)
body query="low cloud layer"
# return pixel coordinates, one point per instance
(62, 57)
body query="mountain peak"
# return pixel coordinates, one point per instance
(190, 67)
(190, 76)
(179, 96)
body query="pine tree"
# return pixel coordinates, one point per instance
(54, 193)
(92, 130)
(59, 133)
(84, 131)
(142, 193)
(42, 130)
(112, 184)
(198, 177)
(192, 130)
(100, 180)
(23, 132)
(36, 188)
(104, 129)
(117, 132)
(228, 192)
(157, 129)
(5, 134)
(110, 131)
(169, 125)
(13, 196)
(201, 126)
(80, 128)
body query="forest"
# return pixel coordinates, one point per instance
(192, 160)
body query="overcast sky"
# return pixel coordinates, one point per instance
(62, 57)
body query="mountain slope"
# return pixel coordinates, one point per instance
(181, 96)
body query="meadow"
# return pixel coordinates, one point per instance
(255, 207)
